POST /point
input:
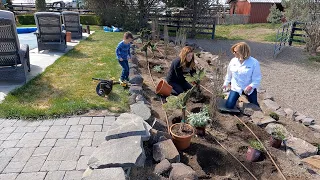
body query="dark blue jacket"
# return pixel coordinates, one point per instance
(175, 73)
(123, 51)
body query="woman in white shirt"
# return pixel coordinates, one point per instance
(244, 75)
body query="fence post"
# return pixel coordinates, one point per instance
(292, 32)
(213, 30)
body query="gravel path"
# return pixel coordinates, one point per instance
(291, 79)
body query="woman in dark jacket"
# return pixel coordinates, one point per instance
(183, 64)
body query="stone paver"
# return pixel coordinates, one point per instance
(55, 175)
(56, 149)
(10, 176)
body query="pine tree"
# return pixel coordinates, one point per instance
(41, 5)
(275, 15)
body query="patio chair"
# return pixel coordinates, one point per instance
(14, 58)
(72, 24)
(50, 35)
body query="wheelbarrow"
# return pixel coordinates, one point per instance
(104, 87)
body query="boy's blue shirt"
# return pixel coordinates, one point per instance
(123, 51)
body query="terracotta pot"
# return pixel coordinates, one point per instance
(276, 143)
(68, 36)
(163, 88)
(253, 154)
(201, 131)
(181, 142)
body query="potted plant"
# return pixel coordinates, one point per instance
(181, 132)
(200, 120)
(277, 137)
(254, 151)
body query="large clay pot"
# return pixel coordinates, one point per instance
(68, 36)
(181, 142)
(163, 88)
(253, 154)
(276, 143)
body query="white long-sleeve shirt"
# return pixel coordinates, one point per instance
(243, 75)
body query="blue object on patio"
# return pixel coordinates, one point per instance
(23, 30)
(107, 29)
(115, 29)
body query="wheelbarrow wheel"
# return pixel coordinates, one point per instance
(104, 88)
(99, 90)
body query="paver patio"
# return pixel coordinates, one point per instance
(50, 149)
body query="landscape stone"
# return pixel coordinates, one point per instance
(107, 174)
(301, 147)
(163, 167)
(141, 110)
(248, 108)
(128, 125)
(289, 113)
(155, 136)
(132, 99)
(267, 96)
(307, 121)
(141, 99)
(135, 90)
(166, 150)
(132, 65)
(181, 172)
(271, 104)
(136, 80)
(281, 112)
(265, 120)
(300, 118)
(115, 153)
(133, 71)
(315, 127)
(313, 163)
(270, 128)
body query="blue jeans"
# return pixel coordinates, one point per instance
(179, 87)
(233, 97)
(125, 70)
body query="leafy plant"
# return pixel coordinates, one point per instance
(196, 78)
(275, 15)
(158, 68)
(256, 145)
(153, 47)
(274, 116)
(278, 133)
(200, 119)
(144, 34)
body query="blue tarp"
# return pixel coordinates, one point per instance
(111, 29)
(23, 30)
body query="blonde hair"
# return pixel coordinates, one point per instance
(243, 49)
(183, 57)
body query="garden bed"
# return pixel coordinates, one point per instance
(205, 156)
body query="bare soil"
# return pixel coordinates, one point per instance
(184, 131)
(205, 155)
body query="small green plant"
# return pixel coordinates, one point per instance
(274, 116)
(145, 34)
(256, 145)
(278, 133)
(198, 54)
(152, 46)
(157, 68)
(200, 119)
(196, 78)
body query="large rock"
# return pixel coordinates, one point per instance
(307, 121)
(141, 110)
(141, 99)
(313, 163)
(133, 71)
(135, 90)
(182, 172)
(270, 128)
(271, 104)
(267, 96)
(315, 127)
(156, 135)
(132, 99)
(289, 113)
(137, 80)
(105, 174)
(163, 167)
(301, 147)
(166, 150)
(124, 152)
(248, 108)
(129, 125)
(281, 112)
(132, 65)
(300, 118)
(261, 120)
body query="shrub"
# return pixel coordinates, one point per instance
(274, 116)
(256, 145)
(26, 19)
(90, 20)
(275, 15)
(41, 5)
(200, 119)
(158, 68)
(278, 133)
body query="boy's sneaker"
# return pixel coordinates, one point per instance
(127, 79)
(121, 81)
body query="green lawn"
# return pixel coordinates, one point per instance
(66, 88)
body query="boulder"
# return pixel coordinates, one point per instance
(258, 118)
(270, 128)
(307, 121)
(123, 152)
(248, 108)
(155, 136)
(301, 147)
(312, 163)
(129, 125)
(289, 113)
(141, 99)
(271, 104)
(134, 60)
(132, 65)
(163, 167)
(182, 172)
(141, 110)
(166, 150)
(159, 125)
(315, 127)
(135, 90)
(137, 80)
(132, 99)
(300, 118)
(267, 96)
(281, 112)
(133, 71)
(107, 174)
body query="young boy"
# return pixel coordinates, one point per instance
(123, 55)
